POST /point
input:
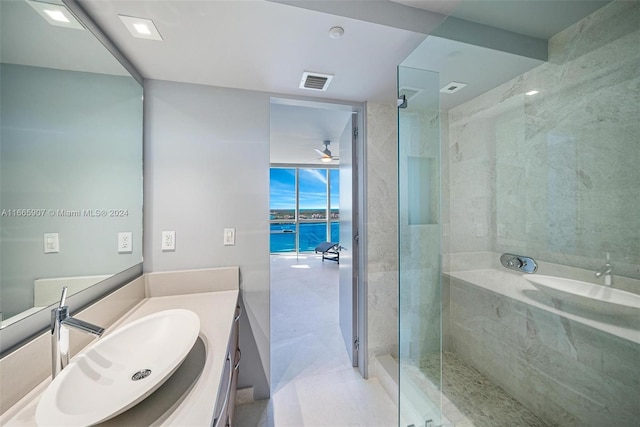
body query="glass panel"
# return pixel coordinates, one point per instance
(422, 200)
(334, 194)
(283, 237)
(420, 249)
(335, 231)
(334, 197)
(282, 190)
(312, 194)
(282, 193)
(311, 234)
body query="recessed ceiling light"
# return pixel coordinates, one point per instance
(532, 92)
(56, 14)
(141, 28)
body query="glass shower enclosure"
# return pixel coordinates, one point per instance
(543, 165)
(420, 247)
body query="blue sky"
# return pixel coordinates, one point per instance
(313, 188)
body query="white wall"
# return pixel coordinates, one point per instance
(207, 168)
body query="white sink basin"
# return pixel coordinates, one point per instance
(120, 370)
(596, 298)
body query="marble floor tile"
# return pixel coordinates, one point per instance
(475, 401)
(312, 380)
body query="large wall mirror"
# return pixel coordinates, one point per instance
(70, 159)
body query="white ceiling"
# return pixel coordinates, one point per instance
(480, 68)
(296, 130)
(534, 18)
(267, 45)
(259, 45)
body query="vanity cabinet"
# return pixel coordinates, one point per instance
(225, 401)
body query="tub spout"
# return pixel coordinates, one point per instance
(606, 271)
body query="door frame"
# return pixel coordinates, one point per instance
(360, 205)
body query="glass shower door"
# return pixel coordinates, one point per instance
(420, 313)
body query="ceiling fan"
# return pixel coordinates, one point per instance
(325, 155)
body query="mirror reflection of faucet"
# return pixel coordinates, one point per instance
(61, 321)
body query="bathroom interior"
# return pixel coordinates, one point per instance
(513, 298)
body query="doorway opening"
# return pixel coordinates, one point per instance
(314, 199)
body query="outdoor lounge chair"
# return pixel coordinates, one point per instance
(330, 251)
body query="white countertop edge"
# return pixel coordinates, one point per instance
(216, 311)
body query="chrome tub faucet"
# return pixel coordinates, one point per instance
(606, 271)
(60, 324)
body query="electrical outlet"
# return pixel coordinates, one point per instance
(229, 236)
(51, 243)
(124, 242)
(168, 240)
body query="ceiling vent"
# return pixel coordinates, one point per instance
(315, 81)
(453, 87)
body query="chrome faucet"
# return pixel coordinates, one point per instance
(606, 271)
(60, 324)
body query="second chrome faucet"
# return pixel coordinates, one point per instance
(61, 321)
(606, 271)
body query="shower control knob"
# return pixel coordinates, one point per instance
(515, 262)
(519, 263)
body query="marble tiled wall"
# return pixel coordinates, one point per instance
(382, 226)
(566, 372)
(555, 176)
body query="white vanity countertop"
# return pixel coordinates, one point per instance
(216, 311)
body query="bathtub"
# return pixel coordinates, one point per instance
(513, 285)
(572, 368)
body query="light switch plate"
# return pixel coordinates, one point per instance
(124, 242)
(51, 243)
(168, 240)
(229, 236)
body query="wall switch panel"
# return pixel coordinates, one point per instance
(229, 236)
(124, 242)
(168, 240)
(51, 243)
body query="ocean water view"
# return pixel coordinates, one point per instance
(283, 236)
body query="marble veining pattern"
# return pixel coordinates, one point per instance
(382, 220)
(555, 175)
(567, 371)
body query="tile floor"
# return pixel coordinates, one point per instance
(312, 381)
(471, 399)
